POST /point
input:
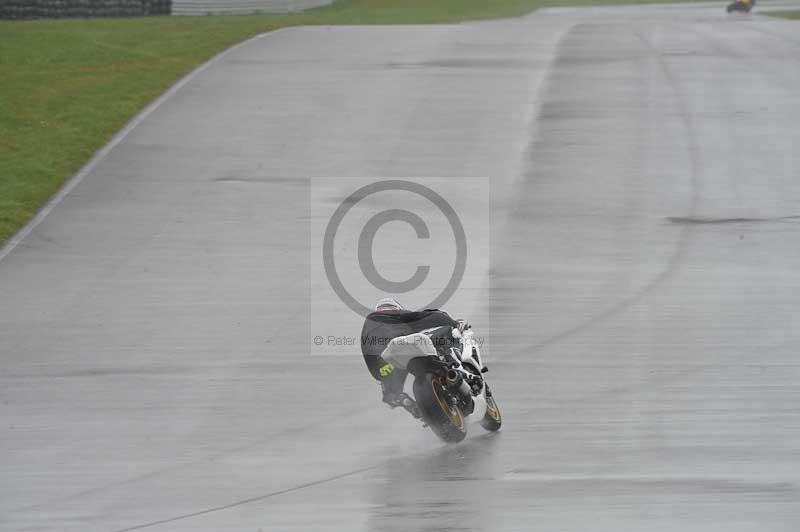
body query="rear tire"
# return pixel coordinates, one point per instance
(446, 421)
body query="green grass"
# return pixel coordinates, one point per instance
(783, 14)
(66, 86)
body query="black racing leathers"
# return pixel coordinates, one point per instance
(380, 328)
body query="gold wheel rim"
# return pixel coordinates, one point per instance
(452, 413)
(491, 409)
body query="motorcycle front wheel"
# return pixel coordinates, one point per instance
(444, 419)
(491, 420)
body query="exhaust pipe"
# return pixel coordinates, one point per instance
(453, 379)
(455, 382)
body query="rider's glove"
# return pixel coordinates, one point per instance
(463, 325)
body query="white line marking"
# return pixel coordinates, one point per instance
(75, 180)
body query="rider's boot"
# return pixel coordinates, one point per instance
(411, 406)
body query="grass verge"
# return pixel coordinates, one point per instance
(783, 14)
(69, 85)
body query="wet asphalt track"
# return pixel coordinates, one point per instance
(644, 292)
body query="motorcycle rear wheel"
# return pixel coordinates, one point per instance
(444, 419)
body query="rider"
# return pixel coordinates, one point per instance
(390, 320)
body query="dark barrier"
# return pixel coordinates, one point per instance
(16, 9)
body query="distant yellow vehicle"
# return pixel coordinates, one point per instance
(741, 5)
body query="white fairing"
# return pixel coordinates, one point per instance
(403, 348)
(471, 354)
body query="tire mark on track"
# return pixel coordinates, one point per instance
(249, 500)
(447, 449)
(224, 453)
(679, 254)
(221, 454)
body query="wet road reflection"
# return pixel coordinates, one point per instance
(441, 490)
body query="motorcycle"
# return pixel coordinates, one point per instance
(450, 389)
(741, 5)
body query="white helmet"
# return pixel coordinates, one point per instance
(388, 304)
